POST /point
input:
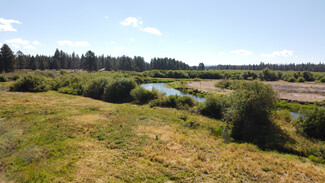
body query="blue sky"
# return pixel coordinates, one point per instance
(209, 31)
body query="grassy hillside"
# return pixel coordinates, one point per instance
(52, 137)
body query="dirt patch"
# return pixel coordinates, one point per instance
(303, 92)
(297, 92)
(207, 86)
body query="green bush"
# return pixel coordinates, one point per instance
(119, 90)
(291, 79)
(251, 107)
(3, 78)
(15, 77)
(301, 79)
(308, 76)
(229, 84)
(144, 96)
(31, 83)
(322, 79)
(312, 123)
(174, 101)
(95, 88)
(214, 106)
(268, 75)
(75, 83)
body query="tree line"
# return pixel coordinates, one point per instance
(320, 67)
(88, 61)
(91, 62)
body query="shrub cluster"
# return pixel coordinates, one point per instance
(251, 106)
(214, 106)
(143, 96)
(119, 90)
(95, 88)
(174, 101)
(69, 84)
(3, 78)
(31, 83)
(313, 123)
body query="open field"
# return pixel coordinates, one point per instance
(298, 92)
(52, 137)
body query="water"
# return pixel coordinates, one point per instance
(295, 115)
(170, 91)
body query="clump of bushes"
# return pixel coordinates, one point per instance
(214, 106)
(31, 83)
(174, 101)
(69, 84)
(312, 123)
(229, 84)
(15, 77)
(144, 96)
(291, 79)
(251, 107)
(301, 79)
(322, 79)
(119, 90)
(3, 78)
(95, 88)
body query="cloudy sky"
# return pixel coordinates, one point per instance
(209, 31)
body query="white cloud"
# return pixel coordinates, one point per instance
(283, 53)
(222, 53)
(112, 42)
(6, 24)
(120, 48)
(17, 41)
(65, 43)
(241, 52)
(81, 43)
(0, 44)
(30, 47)
(70, 43)
(131, 20)
(15, 46)
(131, 39)
(106, 17)
(151, 30)
(189, 42)
(36, 43)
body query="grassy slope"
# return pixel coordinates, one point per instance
(51, 137)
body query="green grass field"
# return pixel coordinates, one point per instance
(52, 137)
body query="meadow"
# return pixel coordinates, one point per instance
(60, 135)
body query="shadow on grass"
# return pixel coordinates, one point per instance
(267, 136)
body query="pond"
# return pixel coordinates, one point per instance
(170, 91)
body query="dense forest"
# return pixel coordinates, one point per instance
(10, 61)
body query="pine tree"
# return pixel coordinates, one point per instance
(7, 59)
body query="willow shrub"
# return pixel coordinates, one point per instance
(95, 88)
(31, 83)
(312, 123)
(119, 90)
(143, 96)
(174, 101)
(250, 108)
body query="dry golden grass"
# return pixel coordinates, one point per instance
(150, 145)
